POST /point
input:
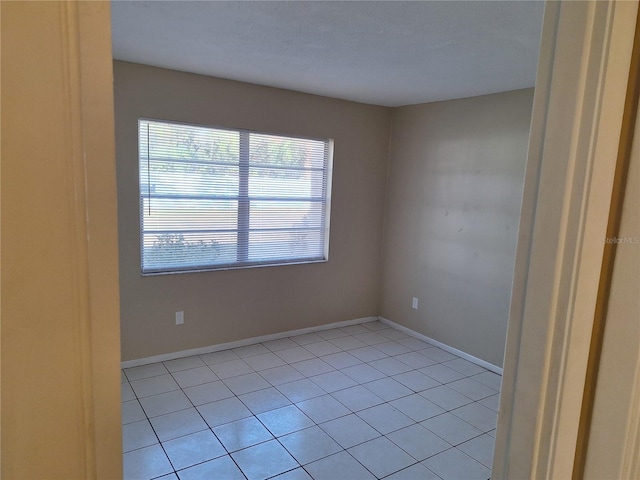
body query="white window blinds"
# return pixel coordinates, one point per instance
(214, 198)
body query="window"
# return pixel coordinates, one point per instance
(213, 198)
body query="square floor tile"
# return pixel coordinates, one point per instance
(384, 418)
(480, 448)
(371, 338)
(208, 392)
(250, 350)
(183, 363)
(322, 348)
(453, 464)
(220, 468)
(347, 343)
(282, 421)
(451, 428)
(381, 456)
(295, 354)
(231, 369)
(368, 354)
(418, 442)
(414, 472)
(472, 389)
(154, 385)
(301, 390)
(338, 466)
(313, 366)
(246, 383)
(126, 392)
(219, 357)
(464, 366)
(414, 343)
(137, 435)
(274, 459)
(264, 400)
(223, 411)
(322, 409)
(279, 375)
(388, 389)
(242, 433)
(393, 334)
(375, 326)
(296, 474)
(280, 344)
(489, 379)
(477, 415)
(357, 398)
(171, 476)
(333, 381)
(194, 376)
(132, 412)
(390, 366)
(193, 449)
(354, 329)
(409, 377)
(332, 333)
(492, 402)
(363, 373)
(264, 361)
(145, 463)
(349, 430)
(309, 445)
(177, 424)
(441, 373)
(438, 354)
(415, 359)
(165, 403)
(416, 407)
(445, 397)
(145, 371)
(392, 348)
(341, 360)
(416, 380)
(123, 377)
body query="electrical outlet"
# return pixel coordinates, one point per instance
(179, 318)
(414, 303)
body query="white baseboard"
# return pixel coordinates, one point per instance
(242, 343)
(443, 346)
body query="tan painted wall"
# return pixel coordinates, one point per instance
(456, 173)
(60, 321)
(226, 306)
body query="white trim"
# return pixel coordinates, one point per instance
(577, 117)
(242, 343)
(443, 346)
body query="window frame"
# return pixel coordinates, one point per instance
(244, 201)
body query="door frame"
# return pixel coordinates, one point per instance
(583, 72)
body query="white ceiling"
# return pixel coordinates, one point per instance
(388, 53)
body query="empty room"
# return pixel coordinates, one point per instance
(347, 317)
(320, 240)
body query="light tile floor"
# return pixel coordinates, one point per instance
(353, 403)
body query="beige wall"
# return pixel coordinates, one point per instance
(456, 173)
(226, 306)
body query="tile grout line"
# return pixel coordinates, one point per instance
(465, 375)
